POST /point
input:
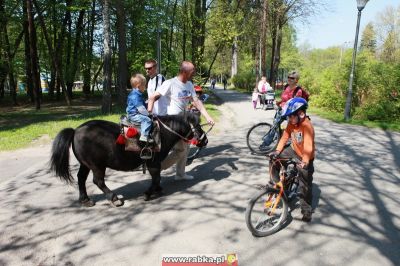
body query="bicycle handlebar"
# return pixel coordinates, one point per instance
(287, 160)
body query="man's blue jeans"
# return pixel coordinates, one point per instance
(145, 123)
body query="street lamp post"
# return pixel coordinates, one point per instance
(360, 6)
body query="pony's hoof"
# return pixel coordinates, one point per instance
(87, 203)
(118, 202)
(151, 196)
(158, 194)
(147, 196)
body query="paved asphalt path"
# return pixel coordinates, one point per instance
(356, 219)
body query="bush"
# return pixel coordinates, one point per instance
(244, 80)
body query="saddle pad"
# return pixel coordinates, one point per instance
(133, 144)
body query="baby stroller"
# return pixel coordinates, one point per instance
(269, 100)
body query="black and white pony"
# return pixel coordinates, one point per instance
(94, 146)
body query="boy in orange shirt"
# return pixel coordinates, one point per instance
(302, 148)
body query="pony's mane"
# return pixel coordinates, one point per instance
(181, 121)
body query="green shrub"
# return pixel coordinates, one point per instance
(244, 80)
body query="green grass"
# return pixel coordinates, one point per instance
(23, 126)
(23, 136)
(339, 118)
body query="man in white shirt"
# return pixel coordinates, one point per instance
(154, 83)
(178, 92)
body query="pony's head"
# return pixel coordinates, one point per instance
(199, 136)
(187, 127)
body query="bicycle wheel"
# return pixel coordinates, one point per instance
(193, 153)
(256, 135)
(261, 217)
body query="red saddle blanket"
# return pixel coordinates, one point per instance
(131, 132)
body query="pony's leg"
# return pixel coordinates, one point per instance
(155, 187)
(98, 179)
(83, 196)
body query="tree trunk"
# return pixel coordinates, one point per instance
(122, 74)
(264, 38)
(273, 51)
(256, 54)
(88, 56)
(220, 46)
(10, 67)
(28, 67)
(9, 64)
(52, 86)
(106, 104)
(68, 79)
(58, 57)
(171, 35)
(72, 69)
(94, 81)
(33, 55)
(2, 82)
(234, 68)
(198, 33)
(184, 34)
(49, 47)
(277, 56)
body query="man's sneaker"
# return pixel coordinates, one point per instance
(143, 138)
(146, 139)
(185, 177)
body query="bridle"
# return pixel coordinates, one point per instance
(186, 139)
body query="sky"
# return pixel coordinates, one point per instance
(337, 26)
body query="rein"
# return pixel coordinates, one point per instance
(176, 133)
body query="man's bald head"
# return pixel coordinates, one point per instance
(186, 66)
(186, 71)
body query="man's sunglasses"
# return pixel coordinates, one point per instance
(148, 68)
(291, 78)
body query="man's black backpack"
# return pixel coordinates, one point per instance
(162, 80)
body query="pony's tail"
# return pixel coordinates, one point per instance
(59, 162)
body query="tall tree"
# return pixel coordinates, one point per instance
(28, 68)
(54, 65)
(9, 62)
(122, 76)
(388, 34)
(198, 32)
(37, 92)
(281, 12)
(60, 82)
(263, 38)
(170, 36)
(89, 40)
(368, 38)
(72, 68)
(107, 69)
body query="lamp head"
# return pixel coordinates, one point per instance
(361, 4)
